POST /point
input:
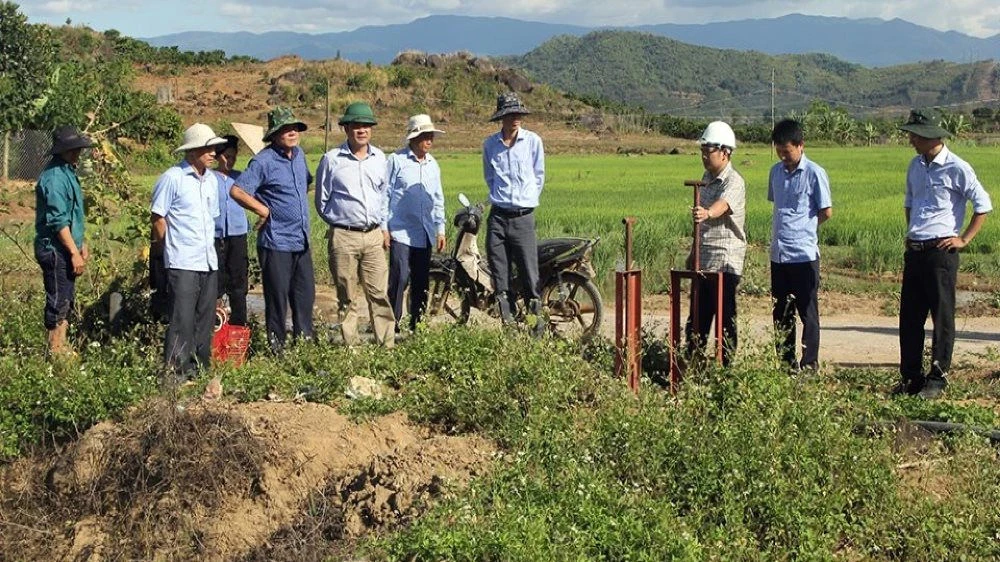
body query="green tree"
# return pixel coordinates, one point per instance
(26, 56)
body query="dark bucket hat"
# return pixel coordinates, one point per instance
(232, 141)
(67, 138)
(358, 112)
(925, 123)
(507, 104)
(278, 118)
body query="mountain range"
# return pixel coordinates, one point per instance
(870, 42)
(665, 75)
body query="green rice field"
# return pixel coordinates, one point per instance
(587, 195)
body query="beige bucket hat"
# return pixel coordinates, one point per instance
(420, 124)
(199, 135)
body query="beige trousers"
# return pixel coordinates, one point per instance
(359, 258)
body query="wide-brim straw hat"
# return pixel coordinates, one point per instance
(199, 135)
(252, 135)
(925, 123)
(507, 104)
(420, 124)
(68, 138)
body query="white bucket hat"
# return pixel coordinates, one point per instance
(418, 125)
(199, 135)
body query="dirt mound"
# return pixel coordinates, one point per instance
(223, 482)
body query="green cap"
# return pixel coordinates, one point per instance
(358, 112)
(925, 123)
(278, 118)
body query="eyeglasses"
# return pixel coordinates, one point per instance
(710, 148)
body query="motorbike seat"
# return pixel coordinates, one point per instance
(553, 249)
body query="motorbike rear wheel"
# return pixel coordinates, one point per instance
(574, 306)
(446, 302)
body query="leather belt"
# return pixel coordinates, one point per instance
(922, 245)
(367, 228)
(512, 213)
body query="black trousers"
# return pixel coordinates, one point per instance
(409, 264)
(188, 342)
(697, 336)
(59, 282)
(234, 268)
(929, 279)
(289, 280)
(512, 239)
(794, 287)
(159, 300)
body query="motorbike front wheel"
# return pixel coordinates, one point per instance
(444, 301)
(573, 305)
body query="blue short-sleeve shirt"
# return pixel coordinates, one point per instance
(937, 193)
(798, 196)
(416, 199)
(281, 183)
(515, 175)
(189, 203)
(232, 219)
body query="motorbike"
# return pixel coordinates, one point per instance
(460, 282)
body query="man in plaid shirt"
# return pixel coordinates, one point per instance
(723, 241)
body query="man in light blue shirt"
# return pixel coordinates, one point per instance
(351, 196)
(231, 228)
(800, 191)
(416, 217)
(939, 184)
(514, 170)
(185, 204)
(275, 187)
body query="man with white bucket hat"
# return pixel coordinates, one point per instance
(185, 204)
(416, 217)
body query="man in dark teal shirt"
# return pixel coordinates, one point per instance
(59, 246)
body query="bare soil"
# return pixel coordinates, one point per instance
(220, 501)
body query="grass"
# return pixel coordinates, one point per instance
(747, 464)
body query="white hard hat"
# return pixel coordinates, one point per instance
(720, 133)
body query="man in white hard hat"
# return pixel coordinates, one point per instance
(721, 215)
(416, 217)
(185, 204)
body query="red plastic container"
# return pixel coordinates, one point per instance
(230, 343)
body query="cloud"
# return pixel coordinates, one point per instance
(975, 17)
(59, 7)
(235, 10)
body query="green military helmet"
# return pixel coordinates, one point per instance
(358, 112)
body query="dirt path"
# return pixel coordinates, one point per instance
(855, 331)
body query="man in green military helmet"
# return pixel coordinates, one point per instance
(352, 197)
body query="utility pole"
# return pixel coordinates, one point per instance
(326, 127)
(6, 159)
(772, 99)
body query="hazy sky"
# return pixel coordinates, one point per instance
(147, 18)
